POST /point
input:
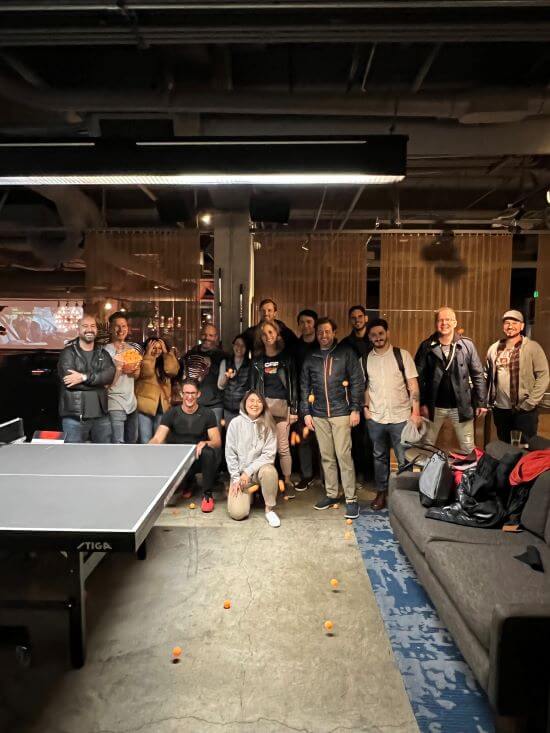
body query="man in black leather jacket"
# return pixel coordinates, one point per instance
(331, 389)
(85, 370)
(452, 381)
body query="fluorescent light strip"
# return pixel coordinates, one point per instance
(184, 179)
(47, 145)
(233, 143)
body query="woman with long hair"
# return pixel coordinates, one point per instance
(274, 377)
(234, 379)
(250, 450)
(154, 386)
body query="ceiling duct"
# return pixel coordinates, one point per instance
(474, 107)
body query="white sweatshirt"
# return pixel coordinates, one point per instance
(245, 450)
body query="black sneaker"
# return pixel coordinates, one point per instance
(290, 490)
(352, 509)
(303, 484)
(325, 503)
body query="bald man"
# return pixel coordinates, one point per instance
(452, 382)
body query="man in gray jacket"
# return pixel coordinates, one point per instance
(517, 372)
(332, 386)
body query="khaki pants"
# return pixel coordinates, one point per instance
(334, 438)
(282, 427)
(464, 431)
(238, 507)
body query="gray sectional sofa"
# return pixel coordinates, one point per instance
(496, 607)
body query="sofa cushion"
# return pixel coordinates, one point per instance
(536, 512)
(411, 515)
(478, 577)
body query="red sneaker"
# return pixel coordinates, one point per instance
(207, 504)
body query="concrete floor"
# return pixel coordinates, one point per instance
(264, 666)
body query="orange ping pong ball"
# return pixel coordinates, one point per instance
(334, 583)
(328, 625)
(192, 506)
(311, 399)
(176, 651)
(227, 604)
(345, 383)
(349, 521)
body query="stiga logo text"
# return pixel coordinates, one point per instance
(94, 546)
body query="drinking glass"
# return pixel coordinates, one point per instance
(515, 437)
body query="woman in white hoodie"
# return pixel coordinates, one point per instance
(250, 450)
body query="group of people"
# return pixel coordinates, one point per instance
(343, 404)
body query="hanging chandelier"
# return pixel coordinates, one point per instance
(67, 316)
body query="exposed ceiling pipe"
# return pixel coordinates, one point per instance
(79, 5)
(351, 207)
(293, 33)
(77, 213)
(490, 105)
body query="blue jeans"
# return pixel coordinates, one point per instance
(382, 435)
(94, 429)
(148, 425)
(124, 426)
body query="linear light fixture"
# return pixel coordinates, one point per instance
(366, 160)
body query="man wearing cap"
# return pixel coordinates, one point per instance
(517, 373)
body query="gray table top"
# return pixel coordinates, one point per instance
(85, 487)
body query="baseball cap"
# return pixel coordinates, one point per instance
(514, 315)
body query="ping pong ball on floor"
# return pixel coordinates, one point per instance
(192, 506)
(334, 583)
(349, 521)
(227, 604)
(176, 651)
(328, 625)
(336, 506)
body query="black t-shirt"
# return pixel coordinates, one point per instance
(360, 344)
(446, 397)
(301, 350)
(273, 386)
(185, 428)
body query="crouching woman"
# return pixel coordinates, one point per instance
(250, 450)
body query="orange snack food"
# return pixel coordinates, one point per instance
(131, 356)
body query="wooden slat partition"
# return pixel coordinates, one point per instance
(127, 264)
(329, 278)
(411, 290)
(541, 332)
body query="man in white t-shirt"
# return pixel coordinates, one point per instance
(392, 397)
(122, 403)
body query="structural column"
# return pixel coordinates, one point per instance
(233, 273)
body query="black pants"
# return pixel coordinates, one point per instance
(361, 449)
(507, 420)
(207, 464)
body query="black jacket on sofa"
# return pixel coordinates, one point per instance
(75, 401)
(325, 379)
(466, 374)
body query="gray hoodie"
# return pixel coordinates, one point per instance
(245, 449)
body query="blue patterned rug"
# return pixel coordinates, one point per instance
(444, 694)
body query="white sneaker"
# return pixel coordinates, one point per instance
(272, 519)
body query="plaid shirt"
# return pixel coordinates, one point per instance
(513, 367)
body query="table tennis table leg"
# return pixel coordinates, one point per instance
(142, 551)
(76, 605)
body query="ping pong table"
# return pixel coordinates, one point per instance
(85, 501)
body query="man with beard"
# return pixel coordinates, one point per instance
(202, 363)
(392, 397)
(85, 370)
